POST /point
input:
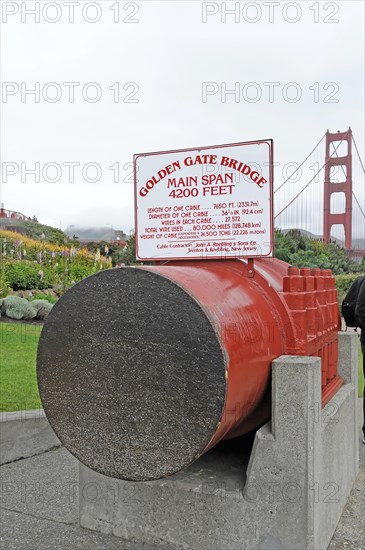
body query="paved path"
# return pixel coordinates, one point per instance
(39, 506)
(39, 500)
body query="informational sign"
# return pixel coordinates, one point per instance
(212, 202)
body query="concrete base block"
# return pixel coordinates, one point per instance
(289, 493)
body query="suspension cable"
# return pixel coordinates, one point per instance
(300, 192)
(305, 187)
(296, 170)
(358, 154)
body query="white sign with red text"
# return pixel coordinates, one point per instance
(212, 202)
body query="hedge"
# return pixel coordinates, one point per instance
(343, 283)
(28, 275)
(25, 275)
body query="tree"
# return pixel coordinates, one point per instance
(129, 251)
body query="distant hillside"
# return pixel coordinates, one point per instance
(34, 230)
(358, 244)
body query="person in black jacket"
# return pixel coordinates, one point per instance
(360, 318)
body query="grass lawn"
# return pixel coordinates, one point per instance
(18, 381)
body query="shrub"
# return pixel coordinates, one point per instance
(343, 283)
(24, 275)
(78, 272)
(8, 301)
(42, 308)
(297, 249)
(4, 283)
(129, 252)
(18, 308)
(21, 275)
(46, 297)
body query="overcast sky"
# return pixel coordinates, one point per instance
(150, 61)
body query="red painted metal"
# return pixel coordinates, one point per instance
(276, 310)
(330, 187)
(12, 215)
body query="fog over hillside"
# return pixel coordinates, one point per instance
(106, 233)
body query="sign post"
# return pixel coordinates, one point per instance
(207, 203)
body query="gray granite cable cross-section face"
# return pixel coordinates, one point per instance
(131, 374)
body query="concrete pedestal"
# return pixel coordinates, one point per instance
(288, 494)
